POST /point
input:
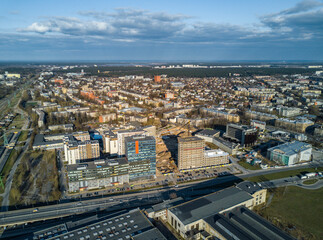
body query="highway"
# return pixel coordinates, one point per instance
(127, 200)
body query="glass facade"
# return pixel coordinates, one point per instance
(141, 156)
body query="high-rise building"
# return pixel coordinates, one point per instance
(141, 156)
(121, 135)
(245, 135)
(190, 153)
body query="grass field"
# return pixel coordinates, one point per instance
(23, 136)
(296, 210)
(7, 167)
(249, 166)
(17, 123)
(36, 179)
(310, 181)
(284, 174)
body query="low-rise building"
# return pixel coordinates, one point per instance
(290, 153)
(97, 174)
(215, 157)
(194, 214)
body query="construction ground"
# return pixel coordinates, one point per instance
(166, 150)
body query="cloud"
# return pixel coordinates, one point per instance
(296, 28)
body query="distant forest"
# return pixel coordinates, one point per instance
(189, 72)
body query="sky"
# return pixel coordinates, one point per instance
(168, 30)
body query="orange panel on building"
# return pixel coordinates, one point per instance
(157, 78)
(137, 147)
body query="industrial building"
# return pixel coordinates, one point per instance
(290, 153)
(245, 135)
(190, 153)
(141, 155)
(97, 174)
(193, 218)
(132, 225)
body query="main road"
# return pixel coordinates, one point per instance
(127, 200)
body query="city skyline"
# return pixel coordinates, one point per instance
(143, 30)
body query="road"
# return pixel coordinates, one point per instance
(123, 201)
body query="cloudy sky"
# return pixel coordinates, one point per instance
(161, 30)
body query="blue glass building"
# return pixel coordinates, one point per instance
(141, 156)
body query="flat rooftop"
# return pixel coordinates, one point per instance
(291, 148)
(209, 205)
(131, 225)
(190, 139)
(101, 163)
(242, 223)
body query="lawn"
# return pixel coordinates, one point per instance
(310, 181)
(249, 166)
(284, 174)
(297, 211)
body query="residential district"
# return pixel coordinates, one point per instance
(88, 153)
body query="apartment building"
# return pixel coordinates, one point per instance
(190, 153)
(75, 151)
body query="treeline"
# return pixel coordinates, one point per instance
(190, 72)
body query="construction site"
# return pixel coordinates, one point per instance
(167, 147)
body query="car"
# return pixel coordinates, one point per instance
(35, 210)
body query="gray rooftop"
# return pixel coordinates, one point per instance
(190, 139)
(124, 226)
(291, 148)
(207, 132)
(152, 234)
(139, 138)
(103, 163)
(242, 223)
(209, 205)
(249, 187)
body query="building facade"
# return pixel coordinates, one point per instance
(141, 156)
(97, 174)
(78, 150)
(290, 153)
(245, 135)
(190, 153)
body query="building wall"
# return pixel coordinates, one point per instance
(141, 155)
(191, 154)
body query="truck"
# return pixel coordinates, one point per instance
(311, 175)
(303, 177)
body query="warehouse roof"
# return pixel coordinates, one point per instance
(210, 204)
